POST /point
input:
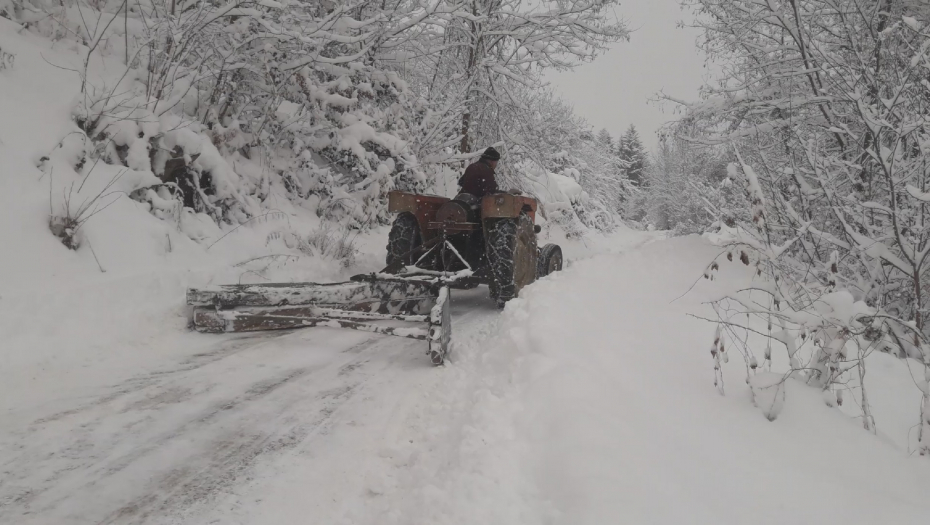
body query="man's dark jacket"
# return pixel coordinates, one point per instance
(478, 179)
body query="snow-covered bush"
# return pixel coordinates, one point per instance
(684, 189)
(560, 198)
(831, 132)
(332, 105)
(552, 139)
(768, 393)
(6, 60)
(336, 245)
(226, 102)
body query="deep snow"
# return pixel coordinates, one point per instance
(588, 400)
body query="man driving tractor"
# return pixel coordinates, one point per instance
(478, 179)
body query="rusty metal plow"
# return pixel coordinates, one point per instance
(374, 303)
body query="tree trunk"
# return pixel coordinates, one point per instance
(465, 147)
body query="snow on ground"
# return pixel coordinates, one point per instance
(588, 400)
(118, 404)
(591, 402)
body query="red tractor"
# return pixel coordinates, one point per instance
(491, 240)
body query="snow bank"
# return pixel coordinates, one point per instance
(552, 189)
(563, 202)
(591, 401)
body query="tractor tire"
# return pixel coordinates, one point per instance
(403, 241)
(550, 260)
(512, 253)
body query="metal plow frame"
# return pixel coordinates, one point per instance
(357, 304)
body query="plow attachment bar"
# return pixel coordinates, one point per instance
(378, 295)
(364, 304)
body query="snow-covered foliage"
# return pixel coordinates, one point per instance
(487, 54)
(824, 104)
(684, 187)
(555, 141)
(330, 105)
(631, 151)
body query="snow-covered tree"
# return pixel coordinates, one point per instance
(680, 186)
(486, 52)
(307, 94)
(633, 154)
(328, 104)
(827, 107)
(556, 140)
(605, 140)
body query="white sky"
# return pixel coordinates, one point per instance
(615, 90)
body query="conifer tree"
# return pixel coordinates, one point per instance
(632, 152)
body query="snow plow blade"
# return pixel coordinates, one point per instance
(365, 303)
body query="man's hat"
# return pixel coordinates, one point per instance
(491, 154)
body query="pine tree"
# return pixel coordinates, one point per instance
(631, 151)
(605, 140)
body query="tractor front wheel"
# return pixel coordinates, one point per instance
(512, 254)
(550, 260)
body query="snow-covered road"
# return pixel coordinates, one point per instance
(588, 400)
(216, 431)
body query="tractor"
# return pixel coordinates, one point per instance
(492, 239)
(435, 244)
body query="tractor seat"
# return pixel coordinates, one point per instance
(469, 199)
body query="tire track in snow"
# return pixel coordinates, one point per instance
(228, 460)
(211, 448)
(133, 385)
(79, 422)
(395, 429)
(167, 445)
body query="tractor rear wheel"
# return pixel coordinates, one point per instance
(511, 250)
(403, 241)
